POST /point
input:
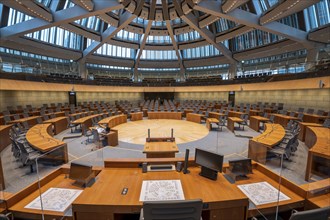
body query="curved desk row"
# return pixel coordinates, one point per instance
(318, 141)
(273, 135)
(197, 118)
(165, 115)
(60, 124)
(113, 121)
(40, 137)
(103, 200)
(86, 121)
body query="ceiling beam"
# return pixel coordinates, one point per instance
(17, 6)
(142, 45)
(285, 9)
(165, 10)
(81, 31)
(124, 20)
(192, 21)
(230, 5)
(86, 4)
(175, 44)
(252, 20)
(60, 17)
(38, 9)
(108, 19)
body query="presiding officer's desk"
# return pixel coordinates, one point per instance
(103, 200)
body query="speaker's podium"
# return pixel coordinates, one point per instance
(161, 149)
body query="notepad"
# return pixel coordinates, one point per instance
(55, 199)
(159, 190)
(262, 193)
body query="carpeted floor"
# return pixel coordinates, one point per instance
(231, 145)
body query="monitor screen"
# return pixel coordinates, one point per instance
(240, 166)
(209, 159)
(80, 172)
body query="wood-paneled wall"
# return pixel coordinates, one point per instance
(294, 93)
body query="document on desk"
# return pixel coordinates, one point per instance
(55, 199)
(159, 190)
(262, 193)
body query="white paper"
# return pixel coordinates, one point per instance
(262, 193)
(55, 199)
(158, 190)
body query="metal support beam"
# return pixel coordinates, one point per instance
(142, 45)
(192, 21)
(285, 9)
(86, 4)
(60, 17)
(79, 30)
(38, 9)
(124, 20)
(252, 20)
(175, 46)
(230, 5)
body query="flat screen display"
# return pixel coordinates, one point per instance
(209, 159)
(240, 166)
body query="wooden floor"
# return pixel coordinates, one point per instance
(135, 132)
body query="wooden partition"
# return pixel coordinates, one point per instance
(165, 115)
(113, 121)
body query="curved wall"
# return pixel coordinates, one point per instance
(293, 93)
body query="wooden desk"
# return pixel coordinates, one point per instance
(93, 203)
(113, 138)
(57, 179)
(261, 174)
(160, 149)
(312, 118)
(209, 122)
(30, 120)
(4, 136)
(231, 123)
(41, 138)
(197, 118)
(113, 121)
(165, 115)
(60, 124)
(254, 112)
(318, 141)
(273, 135)
(235, 114)
(86, 121)
(283, 119)
(215, 115)
(318, 195)
(136, 116)
(255, 122)
(186, 111)
(303, 126)
(4, 142)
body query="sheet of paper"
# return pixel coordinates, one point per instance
(158, 190)
(55, 199)
(262, 193)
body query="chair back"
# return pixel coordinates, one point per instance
(314, 214)
(173, 210)
(326, 123)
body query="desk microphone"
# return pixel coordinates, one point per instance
(185, 165)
